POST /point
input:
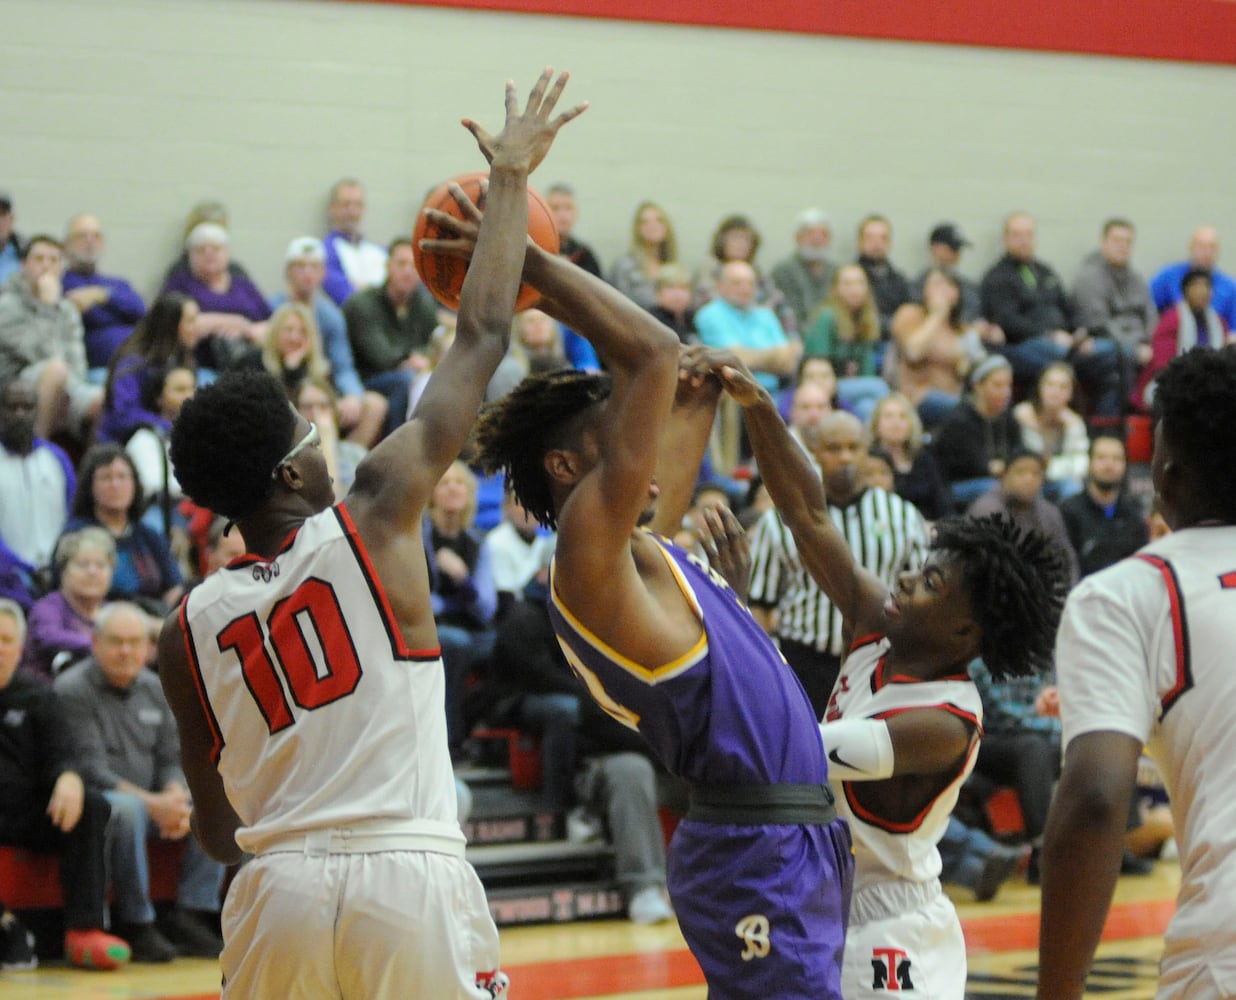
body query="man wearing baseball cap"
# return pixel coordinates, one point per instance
(361, 413)
(944, 246)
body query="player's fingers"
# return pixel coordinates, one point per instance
(512, 101)
(567, 116)
(470, 211)
(707, 542)
(538, 91)
(446, 220)
(731, 523)
(450, 228)
(483, 139)
(450, 248)
(551, 99)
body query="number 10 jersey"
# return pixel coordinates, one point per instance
(321, 715)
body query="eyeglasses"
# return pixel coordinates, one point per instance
(311, 438)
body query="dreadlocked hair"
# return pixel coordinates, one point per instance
(514, 434)
(1017, 580)
(1195, 397)
(227, 440)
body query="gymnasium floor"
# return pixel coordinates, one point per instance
(613, 960)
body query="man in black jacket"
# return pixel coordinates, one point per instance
(1025, 298)
(1104, 523)
(889, 286)
(45, 807)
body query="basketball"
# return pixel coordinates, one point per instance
(444, 276)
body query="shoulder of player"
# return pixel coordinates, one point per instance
(1131, 589)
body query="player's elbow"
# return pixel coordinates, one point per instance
(222, 849)
(663, 341)
(1092, 799)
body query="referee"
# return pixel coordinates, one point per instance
(886, 534)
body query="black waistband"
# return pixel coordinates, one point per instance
(762, 805)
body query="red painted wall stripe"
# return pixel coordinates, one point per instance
(1188, 30)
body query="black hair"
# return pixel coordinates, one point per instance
(954, 314)
(24, 251)
(1195, 274)
(1109, 436)
(228, 439)
(155, 339)
(734, 223)
(1017, 454)
(514, 434)
(1195, 398)
(151, 392)
(96, 457)
(1017, 579)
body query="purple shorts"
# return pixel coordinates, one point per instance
(763, 908)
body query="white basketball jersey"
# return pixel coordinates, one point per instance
(865, 689)
(321, 715)
(1148, 648)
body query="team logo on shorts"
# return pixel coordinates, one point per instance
(494, 983)
(890, 970)
(754, 932)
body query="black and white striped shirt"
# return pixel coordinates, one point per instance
(887, 536)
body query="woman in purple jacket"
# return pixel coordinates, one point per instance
(60, 625)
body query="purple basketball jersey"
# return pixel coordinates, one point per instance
(730, 711)
(763, 908)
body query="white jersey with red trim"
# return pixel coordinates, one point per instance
(322, 717)
(885, 850)
(1148, 648)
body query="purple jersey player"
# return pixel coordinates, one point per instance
(760, 869)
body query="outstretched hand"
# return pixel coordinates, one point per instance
(526, 138)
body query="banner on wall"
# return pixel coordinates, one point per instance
(1187, 30)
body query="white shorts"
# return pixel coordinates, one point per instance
(903, 937)
(1198, 973)
(382, 926)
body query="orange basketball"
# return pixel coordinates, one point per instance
(444, 276)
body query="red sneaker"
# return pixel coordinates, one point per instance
(95, 949)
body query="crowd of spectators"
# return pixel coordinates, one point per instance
(917, 399)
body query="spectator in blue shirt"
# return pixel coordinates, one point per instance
(733, 320)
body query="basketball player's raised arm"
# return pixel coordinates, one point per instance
(798, 494)
(684, 440)
(214, 820)
(641, 356)
(399, 475)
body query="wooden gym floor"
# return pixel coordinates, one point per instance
(614, 960)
